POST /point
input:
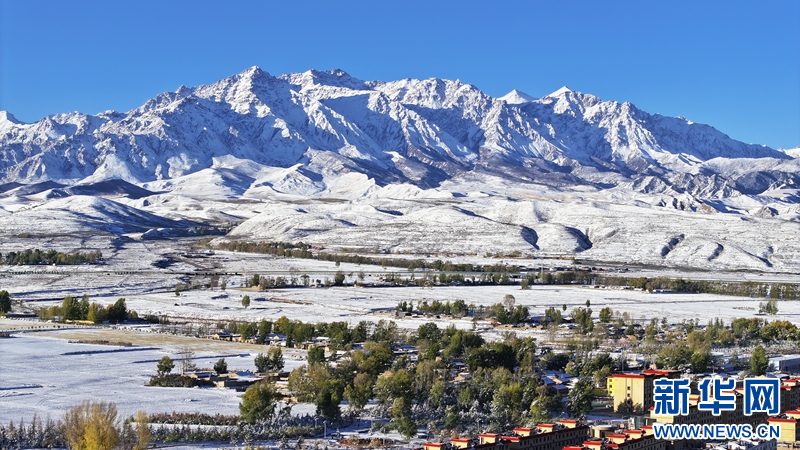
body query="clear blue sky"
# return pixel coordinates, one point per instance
(731, 64)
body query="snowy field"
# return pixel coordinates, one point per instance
(351, 304)
(44, 374)
(356, 304)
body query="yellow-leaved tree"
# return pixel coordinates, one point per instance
(92, 426)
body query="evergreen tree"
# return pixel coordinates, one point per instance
(580, 398)
(165, 366)
(118, 312)
(5, 302)
(759, 361)
(338, 279)
(221, 366)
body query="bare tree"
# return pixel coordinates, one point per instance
(509, 301)
(187, 360)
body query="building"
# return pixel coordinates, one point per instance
(790, 426)
(628, 440)
(786, 364)
(633, 392)
(745, 444)
(544, 436)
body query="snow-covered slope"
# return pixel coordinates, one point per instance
(83, 214)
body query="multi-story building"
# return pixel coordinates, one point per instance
(633, 392)
(789, 422)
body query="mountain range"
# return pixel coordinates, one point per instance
(391, 150)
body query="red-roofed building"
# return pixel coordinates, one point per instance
(632, 440)
(545, 436)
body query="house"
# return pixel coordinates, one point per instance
(225, 335)
(276, 339)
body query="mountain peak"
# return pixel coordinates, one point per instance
(254, 70)
(6, 116)
(560, 92)
(516, 97)
(333, 77)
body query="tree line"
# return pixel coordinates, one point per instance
(72, 309)
(785, 291)
(304, 251)
(34, 257)
(92, 425)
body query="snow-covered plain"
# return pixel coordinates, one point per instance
(45, 376)
(355, 304)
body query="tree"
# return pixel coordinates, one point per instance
(118, 312)
(315, 383)
(258, 402)
(96, 313)
(509, 301)
(338, 279)
(552, 317)
(674, 356)
(221, 366)
(701, 361)
(92, 426)
(143, 433)
(583, 318)
(605, 315)
(5, 302)
(165, 365)
(246, 301)
(316, 355)
(580, 398)
(771, 307)
(187, 360)
(546, 403)
(83, 306)
(262, 363)
(275, 355)
(359, 393)
(70, 309)
(759, 361)
(271, 362)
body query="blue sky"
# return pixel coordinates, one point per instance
(732, 64)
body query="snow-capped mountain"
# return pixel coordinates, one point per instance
(421, 132)
(416, 166)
